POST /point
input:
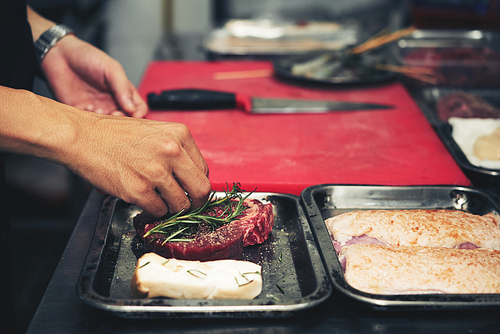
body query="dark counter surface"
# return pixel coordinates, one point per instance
(61, 311)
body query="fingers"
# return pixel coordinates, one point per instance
(174, 193)
(141, 107)
(173, 196)
(175, 178)
(190, 147)
(194, 180)
(127, 98)
(187, 184)
(130, 103)
(153, 204)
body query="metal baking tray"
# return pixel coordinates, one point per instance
(360, 72)
(449, 38)
(458, 57)
(427, 99)
(294, 277)
(324, 201)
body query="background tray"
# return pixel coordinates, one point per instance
(427, 99)
(363, 72)
(459, 58)
(293, 275)
(324, 201)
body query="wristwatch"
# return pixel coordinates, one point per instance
(48, 39)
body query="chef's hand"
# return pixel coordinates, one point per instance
(155, 165)
(148, 163)
(85, 77)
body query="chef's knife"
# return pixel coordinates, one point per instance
(198, 99)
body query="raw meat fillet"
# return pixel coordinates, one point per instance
(465, 105)
(419, 270)
(431, 228)
(226, 242)
(256, 223)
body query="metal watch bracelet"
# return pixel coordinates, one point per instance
(48, 39)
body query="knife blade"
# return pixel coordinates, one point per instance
(199, 99)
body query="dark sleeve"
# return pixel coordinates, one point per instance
(17, 55)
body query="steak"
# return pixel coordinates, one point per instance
(252, 227)
(465, 105)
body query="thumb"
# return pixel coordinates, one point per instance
(121, 89)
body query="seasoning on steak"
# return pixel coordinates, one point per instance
(465, 105)
(226, 242)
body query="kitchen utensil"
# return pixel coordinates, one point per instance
(197, 99)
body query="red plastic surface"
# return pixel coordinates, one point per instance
(287, 153)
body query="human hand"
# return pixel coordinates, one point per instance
(85, 77)
(155, 165)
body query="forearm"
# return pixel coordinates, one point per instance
(38, 23)
(37, 126)
(149, 163)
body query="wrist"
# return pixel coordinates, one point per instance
(49, 39)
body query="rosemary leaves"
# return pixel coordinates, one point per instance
(216, 212)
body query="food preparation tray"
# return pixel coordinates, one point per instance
(324, 201)
(270, 38)
(293, 274)
(427, 99)
(360, 70)
(459, 58)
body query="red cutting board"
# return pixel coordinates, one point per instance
(287, 153)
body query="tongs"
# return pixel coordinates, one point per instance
(420, 73)
(305, 69)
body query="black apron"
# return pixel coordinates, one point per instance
(17, 54)
(17, 70)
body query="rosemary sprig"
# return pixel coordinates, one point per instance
(181, 226)
(242, 284)
(195, 271)
(145, 264)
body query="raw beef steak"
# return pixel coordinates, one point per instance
(226, 242)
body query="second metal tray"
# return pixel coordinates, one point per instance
(324, 201)
(293, 274)
(427, 99)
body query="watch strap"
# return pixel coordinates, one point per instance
(48, 39)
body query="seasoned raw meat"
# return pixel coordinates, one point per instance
(226, 242)
(465, 105)
(419, 270)
(156, 276)
(432, 228)
(256, 223)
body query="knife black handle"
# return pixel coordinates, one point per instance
(191, 99)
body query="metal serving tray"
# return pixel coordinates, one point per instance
(294, 277)
(427, 99)
(446, 38)
(324, 201)
(475, 63)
